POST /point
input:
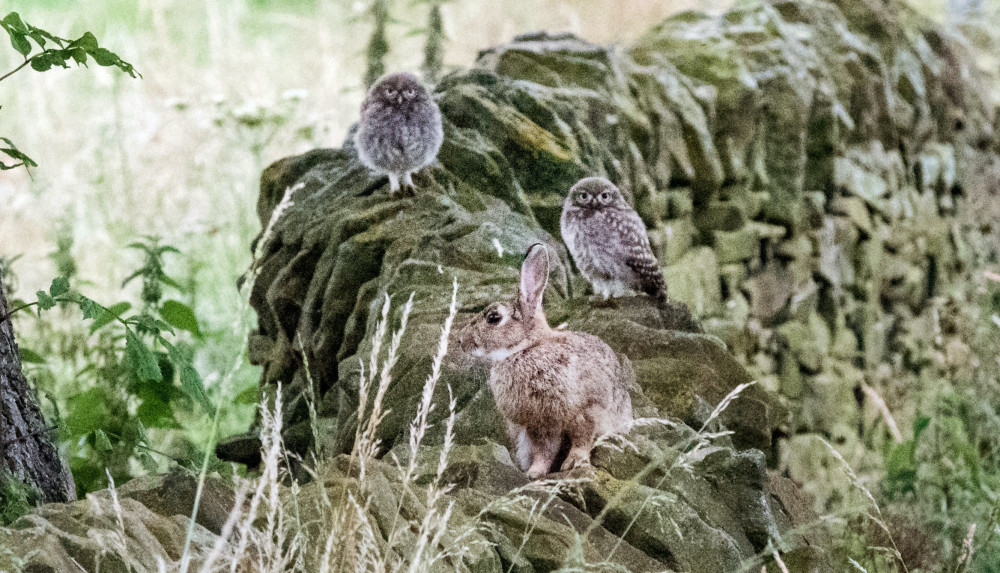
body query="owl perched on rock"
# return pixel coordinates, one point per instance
(400, 129)
(608, 241)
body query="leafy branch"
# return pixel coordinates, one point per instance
(53, 52)
(77, 50)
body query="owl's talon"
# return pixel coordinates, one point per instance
(404, 192)
(601, 302)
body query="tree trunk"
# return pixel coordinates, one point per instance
(26, 449)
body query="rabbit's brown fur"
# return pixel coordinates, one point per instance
(548, 384)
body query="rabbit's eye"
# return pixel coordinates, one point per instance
(494, 317)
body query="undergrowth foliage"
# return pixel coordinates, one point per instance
(131, 371)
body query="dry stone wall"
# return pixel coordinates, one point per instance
(813, 174)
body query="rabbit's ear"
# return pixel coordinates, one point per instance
(534, 277)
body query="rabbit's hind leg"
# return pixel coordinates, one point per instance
(582, 434)
(544, 448)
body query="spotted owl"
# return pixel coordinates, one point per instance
(400, 131)
(608, 241)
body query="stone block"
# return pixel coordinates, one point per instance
(734, 246)
(694, 280)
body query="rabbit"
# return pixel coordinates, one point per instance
(548, 384)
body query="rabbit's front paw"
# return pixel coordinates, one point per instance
(536, 473)
(539, 467)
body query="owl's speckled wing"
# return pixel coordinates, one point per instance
(638, 255)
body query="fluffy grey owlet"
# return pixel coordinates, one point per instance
(608, 241)
(400, 129)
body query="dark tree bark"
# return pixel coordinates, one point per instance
(27, 451)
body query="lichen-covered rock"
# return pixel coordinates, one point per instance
(105, 533)
(174, 493)
(655, 504)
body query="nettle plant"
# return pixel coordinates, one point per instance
(132, 371)
(43, 51)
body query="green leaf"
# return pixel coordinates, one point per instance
(192, 385)
(167, 369)
(89, 307)
(20, 43)
(87, 41)
(79, 55)
(101, 441)
(30, 356)
(169, 282)
(60, 285)
(45, 301)
(140, 358)
(108, 315)
(104, 57)
(146, 461)
(248, 396)
(44, 61)
(901, 467)
(149, 324)
(13, 20)
(132, 277)
(38, 36)
(156, 414)
(87, 411)
(180, 316)
(14, 153)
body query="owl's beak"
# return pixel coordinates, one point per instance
(399, 99)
